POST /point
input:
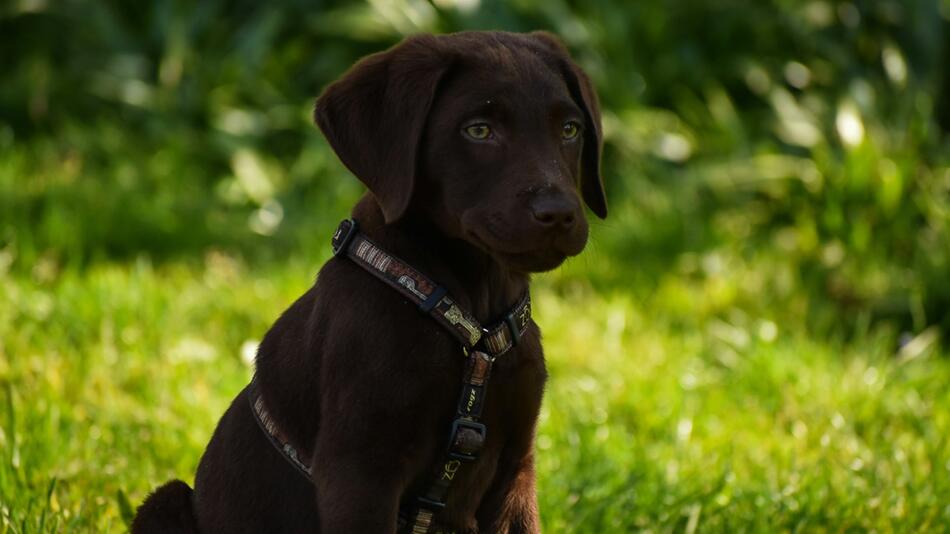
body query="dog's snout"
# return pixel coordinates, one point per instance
(554, 212)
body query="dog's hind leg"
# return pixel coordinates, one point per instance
(167, 510)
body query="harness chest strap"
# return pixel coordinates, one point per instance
(466, 440)
(430, 297)
(467, 435)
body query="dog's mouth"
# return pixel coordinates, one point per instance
(526, 253)
(532, 262)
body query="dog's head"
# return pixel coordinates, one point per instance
(493, 137)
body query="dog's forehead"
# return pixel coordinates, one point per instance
(512, 62)
(500, 69)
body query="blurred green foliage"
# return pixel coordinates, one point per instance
(801, 133)
(801, 138)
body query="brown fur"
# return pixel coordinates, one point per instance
(352, 372)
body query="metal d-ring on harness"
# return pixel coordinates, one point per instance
(481, 347)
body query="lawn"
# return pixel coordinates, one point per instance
(655, 418)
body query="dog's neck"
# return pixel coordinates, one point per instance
(474, 278)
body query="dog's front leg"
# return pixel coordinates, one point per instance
(514, 501)
(521, 504)
(352, 498)
(358, 473)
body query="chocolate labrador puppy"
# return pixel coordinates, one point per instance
(477, 149)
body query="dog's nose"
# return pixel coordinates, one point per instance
(553, 212)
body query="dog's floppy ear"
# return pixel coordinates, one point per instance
(374, 116)
(583, 93)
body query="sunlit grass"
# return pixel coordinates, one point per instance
(648, 427)
(114, 377)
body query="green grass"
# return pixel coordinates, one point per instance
(113, 377)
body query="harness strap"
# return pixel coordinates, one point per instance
(466, 439)
(277, 438)
(467, 434)
(429, 296)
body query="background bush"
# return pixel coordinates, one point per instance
(806, 140)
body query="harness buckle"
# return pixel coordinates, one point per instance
(466, 439)
(344, 234)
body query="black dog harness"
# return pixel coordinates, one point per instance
(481, 346)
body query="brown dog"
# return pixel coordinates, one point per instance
(477, 149)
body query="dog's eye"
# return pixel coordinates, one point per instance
(569, 130)
(478, 131)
